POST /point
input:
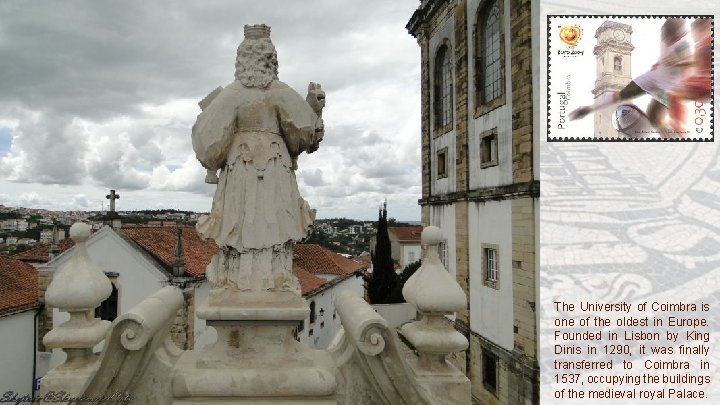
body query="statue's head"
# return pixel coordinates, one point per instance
(256, 64)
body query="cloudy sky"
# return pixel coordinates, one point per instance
(97, 95)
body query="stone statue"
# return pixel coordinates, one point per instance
(253, 131)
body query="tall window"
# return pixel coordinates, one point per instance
(488, 148)
(489, 57)
(312, 312)
(489, 368)
(442, 163)
(443, 88)
(490, 266)
(443, 253)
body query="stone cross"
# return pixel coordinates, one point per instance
(112, 197)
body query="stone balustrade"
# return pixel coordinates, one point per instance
(376, 367)
(255, 357)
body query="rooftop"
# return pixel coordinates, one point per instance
(160, 243)
(40, 253)
(406, 233)
(319, 260)
(18, 285)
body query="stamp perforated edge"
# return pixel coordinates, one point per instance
(710, 138)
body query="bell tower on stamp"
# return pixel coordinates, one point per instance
(612, 52)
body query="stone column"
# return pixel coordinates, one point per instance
(77, 289)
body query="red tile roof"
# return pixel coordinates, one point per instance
(41, 252)
(160, 242)
(308, 282)
(318, 260)
(309, 258)
(18, 285)
(406, 233)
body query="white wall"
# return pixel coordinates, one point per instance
(16, 352)
(137, 278)
(491, 310)
(407, 249)
(396, 314)
(326, 326)
(446, 184)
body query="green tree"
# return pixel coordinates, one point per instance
(383, 281)
(403, 277)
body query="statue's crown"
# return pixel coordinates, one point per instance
(257, 31)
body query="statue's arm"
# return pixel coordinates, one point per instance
(213, 132)
(301, 126)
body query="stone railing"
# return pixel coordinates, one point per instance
(256, 358)
(139, 352)
(378, 367)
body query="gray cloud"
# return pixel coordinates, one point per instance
(78, 72)
(81, 201)
(313, 178)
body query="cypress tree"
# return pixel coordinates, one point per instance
(382, 284)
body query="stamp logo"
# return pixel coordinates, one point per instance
(637, 78)
(570, 35)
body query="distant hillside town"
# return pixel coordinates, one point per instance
(23, 228)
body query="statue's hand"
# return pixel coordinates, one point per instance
(316, 98)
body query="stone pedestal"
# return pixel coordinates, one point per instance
(256, 358)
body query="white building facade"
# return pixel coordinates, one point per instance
(480, 158)
(320, 328)
(18, 306)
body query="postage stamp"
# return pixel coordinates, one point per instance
(630, 78)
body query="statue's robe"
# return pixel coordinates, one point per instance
(254, 135)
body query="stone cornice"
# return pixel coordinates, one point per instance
(617, 46)
(505, 192)
(427, 9)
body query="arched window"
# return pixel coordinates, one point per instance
(443, 87)
(489, 56)
(618, 63)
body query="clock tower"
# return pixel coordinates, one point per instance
(612, 53)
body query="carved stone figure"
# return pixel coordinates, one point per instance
(253, 131)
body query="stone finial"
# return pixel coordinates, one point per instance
(435, 293)
(432, 288)
(78, 288)
(81, 285)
